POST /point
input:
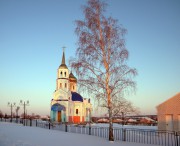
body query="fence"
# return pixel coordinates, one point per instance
(154, 137)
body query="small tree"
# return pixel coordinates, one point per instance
(124, 107)
(101, 57)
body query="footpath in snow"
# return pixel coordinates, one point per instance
(12, 134)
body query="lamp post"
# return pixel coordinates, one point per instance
(89, 121)
(17, 109)
(11, 105)
(122, 118)
(23, 103)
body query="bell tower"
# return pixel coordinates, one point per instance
(62, 81)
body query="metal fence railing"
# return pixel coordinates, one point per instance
(154, 137)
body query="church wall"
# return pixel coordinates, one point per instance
(70, 119)
(63, 73)
(86, 107)
(70, 110)
(65, 115)
(53, 116)
(63, 84)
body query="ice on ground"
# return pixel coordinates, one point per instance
(12, 134)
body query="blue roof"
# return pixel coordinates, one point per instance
(57, 107)
(76, 97)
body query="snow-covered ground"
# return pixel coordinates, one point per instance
(12, 134)
(126, 126)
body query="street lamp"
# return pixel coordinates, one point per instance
(11, 105)
(89, 121)
(17, 109)
(122, 118)
(23, 103)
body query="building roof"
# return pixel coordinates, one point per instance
(76, 97)
(170, 99)
(148, 119)
(72, 77)
(63, 66)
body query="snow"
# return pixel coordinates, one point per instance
(148, 119)
(115, 125)
(132, 120)
(12, 134)
(103, 120)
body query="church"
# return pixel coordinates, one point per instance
(67, 105)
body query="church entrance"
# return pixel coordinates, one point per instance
(59, 116)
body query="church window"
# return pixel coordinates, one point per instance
(65, 85)
(65, 74)
(73, 87)
(61, 74)
(60, 85)
(77, 111)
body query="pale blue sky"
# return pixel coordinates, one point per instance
(32, 33)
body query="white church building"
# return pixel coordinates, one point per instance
(67, 105)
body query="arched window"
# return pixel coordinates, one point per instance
(65, 74)
(77, 111)
(73, 87)
(60, 85)
(65, 85)
(61, 74)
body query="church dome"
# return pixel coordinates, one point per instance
(63, 66)
(72, 77)
(76, 97)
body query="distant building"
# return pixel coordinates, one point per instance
(67, 105)
(168, 114)
(103, 120)
(146, 120)
(131, 121)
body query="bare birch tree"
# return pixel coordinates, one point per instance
(101, 57)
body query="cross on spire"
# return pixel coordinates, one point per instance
(64, 48)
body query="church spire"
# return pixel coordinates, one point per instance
(63, 63)
(63, 57)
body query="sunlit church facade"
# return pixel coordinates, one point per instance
(67, 105)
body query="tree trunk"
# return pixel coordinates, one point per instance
(111, 137)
